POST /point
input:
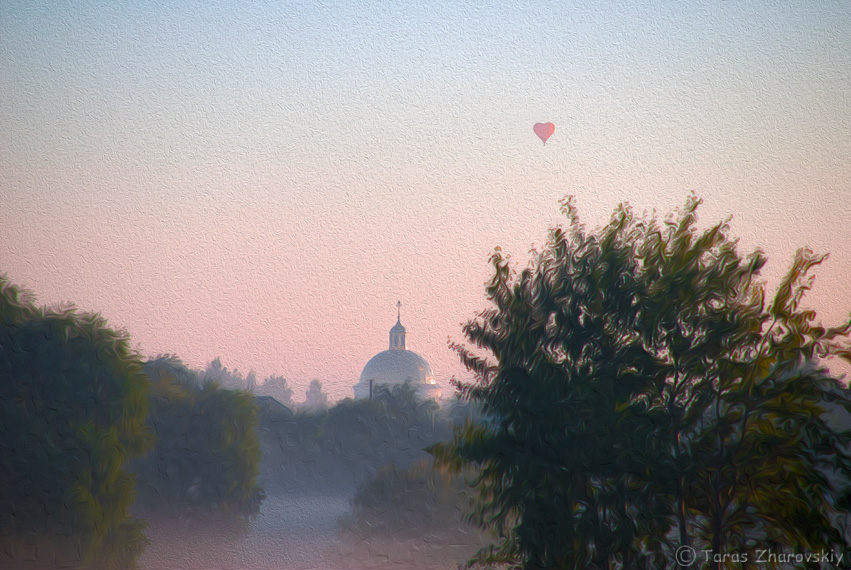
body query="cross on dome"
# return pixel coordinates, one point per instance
(398, 340)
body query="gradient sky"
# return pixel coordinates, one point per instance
(263, 183)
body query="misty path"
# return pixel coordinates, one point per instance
(293, 532)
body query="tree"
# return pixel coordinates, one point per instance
(170, 367)
(315, 398)
(230, 380)
(207, 453)
(773, 464)
(73, 401)
(278, 388)
(251, 381)
(635, 373)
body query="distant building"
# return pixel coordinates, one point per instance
(396, 365)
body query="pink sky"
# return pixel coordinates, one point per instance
(247, 187)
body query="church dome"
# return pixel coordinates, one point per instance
(396, 365)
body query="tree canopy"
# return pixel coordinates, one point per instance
(642, 395)
(73, 401)
(207, 452)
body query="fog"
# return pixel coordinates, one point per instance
(350, 486)
(295, 531)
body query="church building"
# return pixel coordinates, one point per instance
(396, 365)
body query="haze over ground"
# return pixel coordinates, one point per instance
(263, 184)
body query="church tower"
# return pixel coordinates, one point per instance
(398, 340)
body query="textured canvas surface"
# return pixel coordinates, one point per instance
(253, 190)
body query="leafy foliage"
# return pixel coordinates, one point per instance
(73, 401)
(277, 387)
(394, 427)
(207, 452)
(640, 389)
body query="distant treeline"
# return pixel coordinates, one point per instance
(375, 451)
(85, 421)
(336, 449)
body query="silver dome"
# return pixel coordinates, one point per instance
(395, 366)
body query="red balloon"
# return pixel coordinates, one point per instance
(544, 130)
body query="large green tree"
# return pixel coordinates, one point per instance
(73, 401)
(635, 379)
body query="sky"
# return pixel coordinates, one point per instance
(263, 182)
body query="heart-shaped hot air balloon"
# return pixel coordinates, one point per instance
(544, 130)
